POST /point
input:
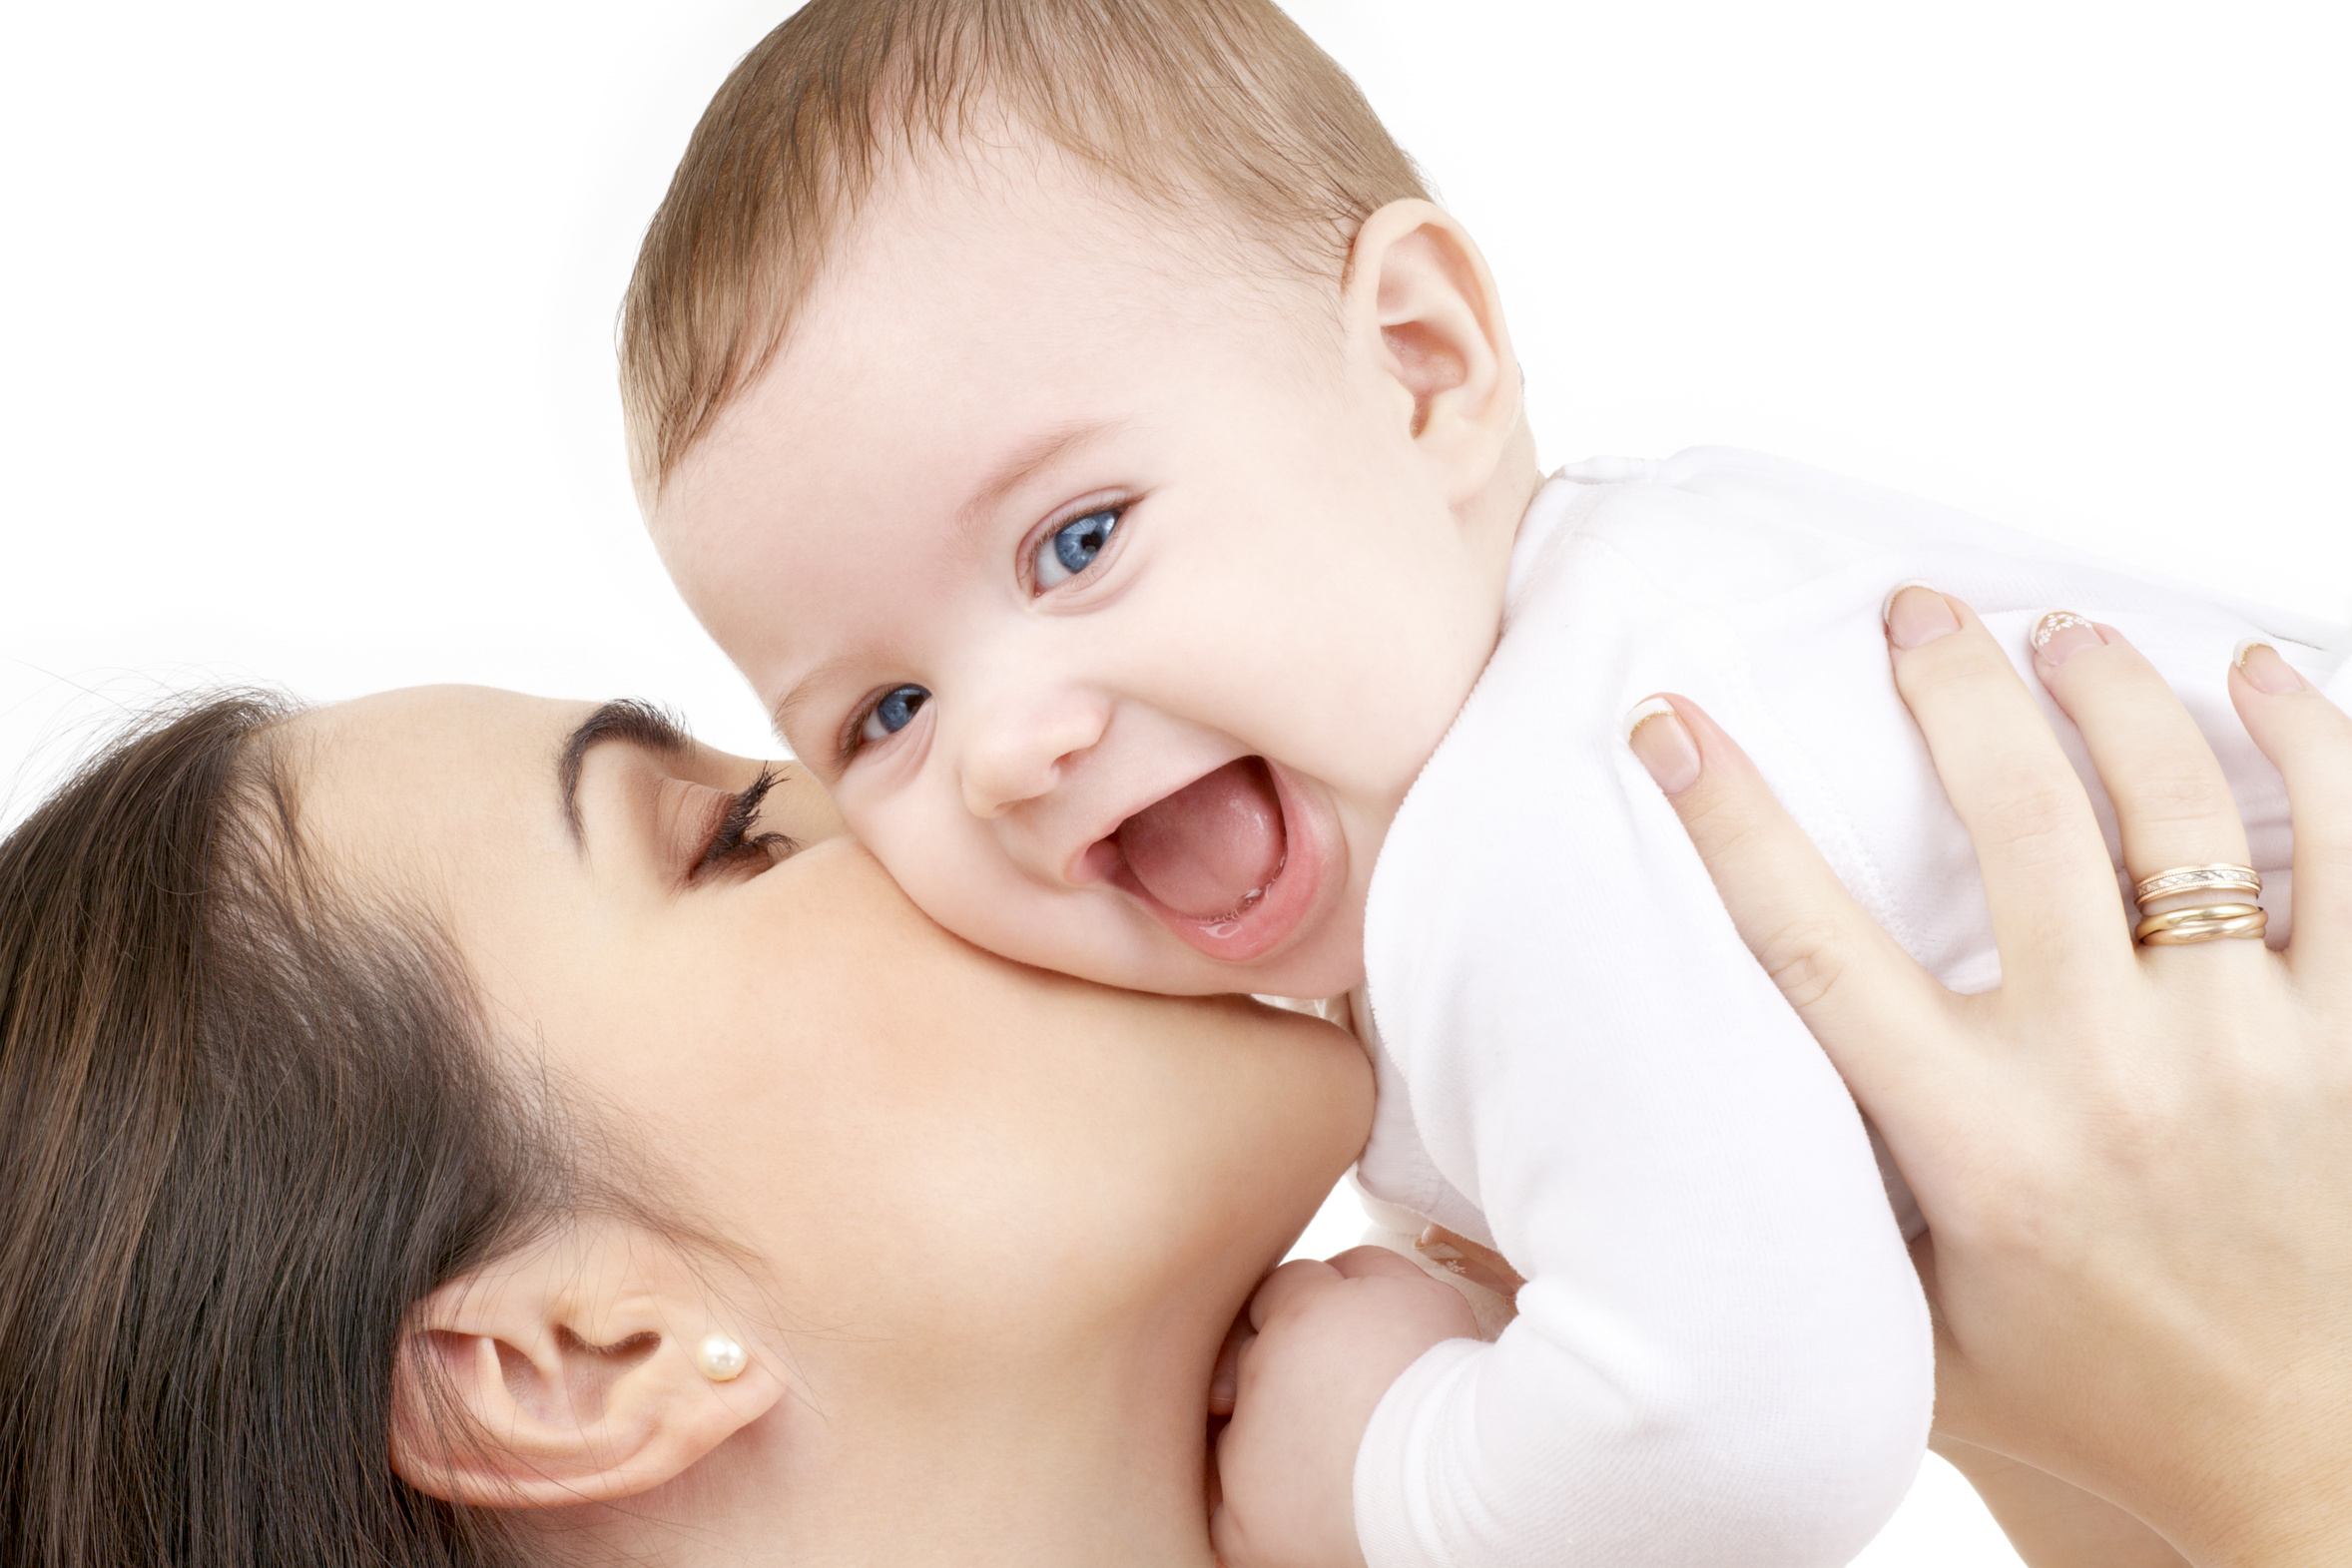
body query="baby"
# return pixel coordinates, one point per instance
(1079, 425)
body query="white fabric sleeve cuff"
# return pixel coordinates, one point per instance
(1392, 1522)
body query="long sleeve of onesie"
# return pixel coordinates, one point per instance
(1721, 1355)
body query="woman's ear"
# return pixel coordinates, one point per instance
(572, 1373)
(1421, 306)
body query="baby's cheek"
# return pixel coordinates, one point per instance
(961, 880)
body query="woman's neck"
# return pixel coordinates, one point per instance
(1094, 1460)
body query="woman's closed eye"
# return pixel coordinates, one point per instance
(734, 839)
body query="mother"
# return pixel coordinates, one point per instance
(455, 1128)
(481, 1081)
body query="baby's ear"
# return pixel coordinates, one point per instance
(1422, 309)
(590, 1369)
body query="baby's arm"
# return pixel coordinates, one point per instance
(1326, 1341)
(1721, 1354)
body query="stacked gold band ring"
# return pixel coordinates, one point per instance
(2198, 879)
(2204, 922)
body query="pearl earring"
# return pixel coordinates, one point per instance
(720, 1358)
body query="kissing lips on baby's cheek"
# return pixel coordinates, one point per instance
(1234, 862)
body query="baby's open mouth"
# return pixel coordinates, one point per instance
(1235, 866)
(1209, 851)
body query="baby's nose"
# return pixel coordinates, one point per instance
(1017, 754)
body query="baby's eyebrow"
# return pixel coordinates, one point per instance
(1024, 464)
(805, 691)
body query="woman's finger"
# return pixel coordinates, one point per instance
(2172, 800)
(1854, 988)
(2046, 874)
(2309, 740)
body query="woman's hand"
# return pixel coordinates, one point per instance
(2135, 1162)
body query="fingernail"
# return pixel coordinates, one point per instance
(1919, 615)
(1662, 741)
(1887, 605)
(2061, 634)
(1461, 1259)
(2263, 669)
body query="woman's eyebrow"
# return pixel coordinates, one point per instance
(632, 721)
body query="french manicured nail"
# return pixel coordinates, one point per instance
(2061, 634)
(1917, 616)
(1662, 741)
(2264, 669)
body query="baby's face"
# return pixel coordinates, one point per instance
(1109, 596)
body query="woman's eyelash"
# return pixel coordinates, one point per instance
(734, 839)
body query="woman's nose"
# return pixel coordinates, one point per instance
(1016, 751)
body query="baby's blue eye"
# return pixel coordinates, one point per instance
(1073, 546)
(893, 712)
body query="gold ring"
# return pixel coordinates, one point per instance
(2198, 880)
(2205, 923)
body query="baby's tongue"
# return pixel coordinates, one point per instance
(1210, 847)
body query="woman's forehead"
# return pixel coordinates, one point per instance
(436, 735)
(421, 774)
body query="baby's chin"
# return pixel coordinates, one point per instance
(1316, 984)
(1326, 963)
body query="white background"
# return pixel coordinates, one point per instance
(307, 354)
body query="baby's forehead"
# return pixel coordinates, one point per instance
(953, 324)
(1243, 147)
(1023, 225)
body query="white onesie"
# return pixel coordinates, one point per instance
(1721, 1355)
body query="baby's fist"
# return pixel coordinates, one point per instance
(1326, 1341)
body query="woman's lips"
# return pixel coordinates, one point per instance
(1232, 863)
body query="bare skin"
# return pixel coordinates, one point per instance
(1298, 522)
(2133, 1161)
(987, 1226)
(1302, 495)
(1307, 496)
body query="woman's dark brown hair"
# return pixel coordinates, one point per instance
(244, 1125)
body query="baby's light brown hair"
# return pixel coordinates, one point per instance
(1220, 112)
